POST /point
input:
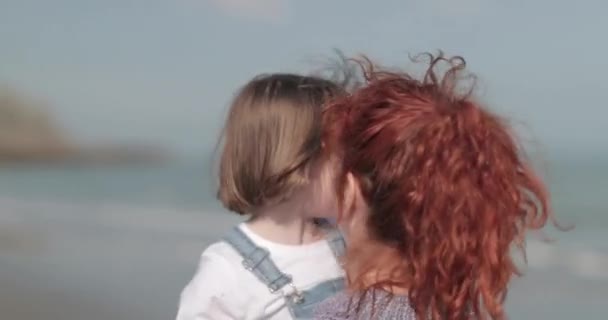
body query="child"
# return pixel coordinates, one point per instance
(281, 262)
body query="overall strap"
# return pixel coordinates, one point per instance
(257, 260)
(334, 237)
(336, 242)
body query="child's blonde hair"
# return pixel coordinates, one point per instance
(270, 137)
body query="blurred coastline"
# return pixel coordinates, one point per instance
(29, 135)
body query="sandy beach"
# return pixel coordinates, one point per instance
(73, 262)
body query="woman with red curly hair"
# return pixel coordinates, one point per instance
(434, 195)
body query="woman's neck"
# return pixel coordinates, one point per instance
(375, 265)
(285, 223)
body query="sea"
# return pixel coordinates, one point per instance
(119, 242)
(579, 190)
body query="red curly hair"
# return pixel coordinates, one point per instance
(447, 186)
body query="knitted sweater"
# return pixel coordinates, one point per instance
(373, 305)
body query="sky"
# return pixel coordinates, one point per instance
(164, 72)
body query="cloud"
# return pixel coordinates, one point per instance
(262, 10)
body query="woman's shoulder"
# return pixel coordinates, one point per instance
(334, 308)
(373, 304)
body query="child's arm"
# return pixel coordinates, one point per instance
(210, 295)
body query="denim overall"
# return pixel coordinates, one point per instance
(257, 260)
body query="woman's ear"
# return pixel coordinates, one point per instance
(352, 197)
(354, 210)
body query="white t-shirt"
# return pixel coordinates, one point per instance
(223, 289)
